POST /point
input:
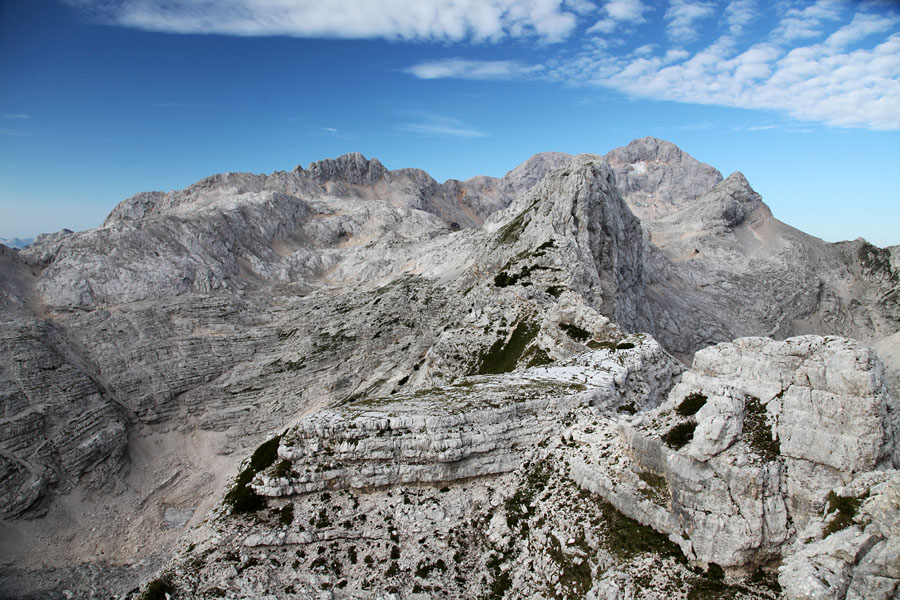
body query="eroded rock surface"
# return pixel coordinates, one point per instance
(559, 475)
(143, 360)
(749, 444)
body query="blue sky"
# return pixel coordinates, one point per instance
(100, 99)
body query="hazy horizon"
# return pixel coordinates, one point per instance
(105, 99)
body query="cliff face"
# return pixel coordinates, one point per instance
(458, 361)
(581, 478)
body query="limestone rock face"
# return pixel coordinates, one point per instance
(853, 551)
(470, 362)
(719, 266)
(352, 168)
(498, 444)
(657, 178)
(749, 443)
(56, 425)
(481, 426)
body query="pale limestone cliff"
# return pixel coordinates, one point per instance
(145, 359)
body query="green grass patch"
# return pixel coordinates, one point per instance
(501, 582)
(845, 508)
(757, 432)
(518, 506)
(241, 496)
(503, 356)
(284, 468)
(626, 538)
(629, 408)
(424, 568)
(510, 232)
(286, 515)
(536, 357)
(575, 332)
(605, 345)
(575, 578)
(556, 290)
(657, 487)
(505, 278)
(680, 435)
(691, 404)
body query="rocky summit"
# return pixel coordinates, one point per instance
(600, 376)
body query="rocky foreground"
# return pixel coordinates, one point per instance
(344, 381)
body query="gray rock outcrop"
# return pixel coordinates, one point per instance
(743, 491)
(749, 444)
(408, 336)
(852, 550)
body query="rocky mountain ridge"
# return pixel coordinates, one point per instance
(195, 324)
(16, 242)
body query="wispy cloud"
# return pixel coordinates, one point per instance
(442, 126)
(582, 7)
(739, 14)
(808, 22)
(458, 68)
(334, 132)
(810, 83)
(621, 15)
(848, 77)
(447, 20)
(830, 61)
(862, 26)
(682, 18)
(700, 125)
(14, 116)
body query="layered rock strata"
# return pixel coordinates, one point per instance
(144, 359)
(514, 451)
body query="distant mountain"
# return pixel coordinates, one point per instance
(16, 242)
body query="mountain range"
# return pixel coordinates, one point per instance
(16, 242)
(604, 376)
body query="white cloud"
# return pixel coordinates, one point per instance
(620, 14)
(811, 83)
(14, 116)
(830, 61)
(630, 11)
(440, 126)
(433, 20)
(739, 14)
(849, 78)
(332, 132)
(862, 26)
(807, 22)
(459, 68)
(682, 17)
(582, 7)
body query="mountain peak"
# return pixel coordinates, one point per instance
(657, 177)
(352, 168)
